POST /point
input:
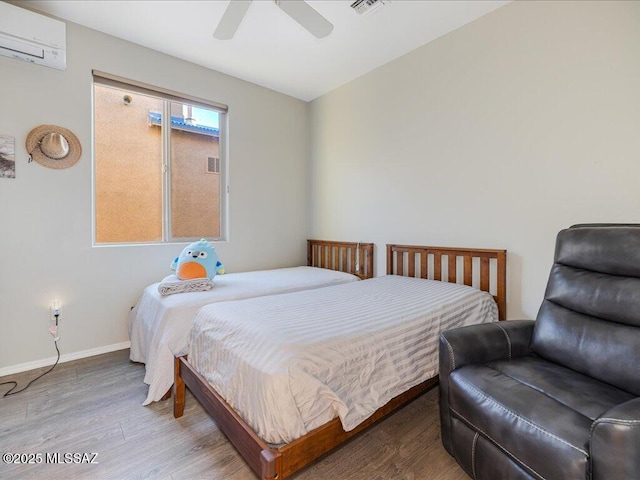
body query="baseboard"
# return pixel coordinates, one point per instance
(67, 357)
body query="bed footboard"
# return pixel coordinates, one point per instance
(179, 388)
(267, 462)
(248, 444)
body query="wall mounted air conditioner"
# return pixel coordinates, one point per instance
(32, 37)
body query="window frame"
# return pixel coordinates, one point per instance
(167, 97)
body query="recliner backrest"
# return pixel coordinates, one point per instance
(589, 320)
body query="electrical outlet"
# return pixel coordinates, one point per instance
(56, 313)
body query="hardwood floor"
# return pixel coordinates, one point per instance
(94, 405)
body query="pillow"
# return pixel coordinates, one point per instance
(197, 260)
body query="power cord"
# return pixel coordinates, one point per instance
(15, 384)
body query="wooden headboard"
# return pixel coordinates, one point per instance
(480, 268)
(350, 257)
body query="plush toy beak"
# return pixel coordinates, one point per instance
(190, 270)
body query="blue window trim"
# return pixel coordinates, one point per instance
(178, 123)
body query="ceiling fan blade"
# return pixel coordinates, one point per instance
(306, 16)
(231, 19)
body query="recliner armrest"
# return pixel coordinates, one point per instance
(483, 343)
(615, 443)
(476, 344)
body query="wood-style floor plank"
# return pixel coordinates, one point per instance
(94, 405)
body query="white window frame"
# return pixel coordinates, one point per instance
(167, 96)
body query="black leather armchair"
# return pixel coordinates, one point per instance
(558, 398)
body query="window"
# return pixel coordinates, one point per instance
(213, 165)
(158, 164)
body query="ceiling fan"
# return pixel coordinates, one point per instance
(299, 10)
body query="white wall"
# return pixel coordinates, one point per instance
(45, 218)
(497, 135)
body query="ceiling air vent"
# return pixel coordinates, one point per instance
(365, 7)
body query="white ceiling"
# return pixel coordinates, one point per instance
(270, 48)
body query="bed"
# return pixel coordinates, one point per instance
(264, 322)
(159, 325)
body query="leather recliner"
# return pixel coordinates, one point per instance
(557, 398)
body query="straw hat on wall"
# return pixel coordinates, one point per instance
(53, 146)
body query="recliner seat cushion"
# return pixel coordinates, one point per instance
(536, 411)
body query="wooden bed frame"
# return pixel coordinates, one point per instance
(276, 463)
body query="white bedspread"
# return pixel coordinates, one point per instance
(290, 363)
(159, 325)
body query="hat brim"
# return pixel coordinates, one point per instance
(33, 146)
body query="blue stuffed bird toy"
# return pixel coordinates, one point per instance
(197, 260)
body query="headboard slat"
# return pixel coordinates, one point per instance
(486, 275)
(437, 266)
(350, 257)
(468, 271)
(452, 269)
(412, 264)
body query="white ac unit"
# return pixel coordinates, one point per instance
(31, 37)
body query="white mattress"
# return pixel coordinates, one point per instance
(290, 363)
(159, 325)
